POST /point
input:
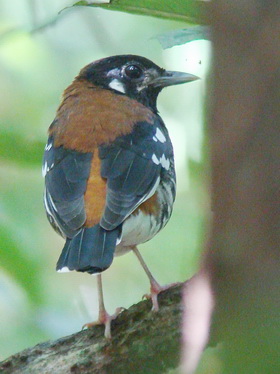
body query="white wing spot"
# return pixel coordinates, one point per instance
(48, 146)
(159, 135)
(165, 162)
(155, 139)
(155, 159)
(115, 84)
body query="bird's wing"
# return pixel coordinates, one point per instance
(132, 165)
(66, 173)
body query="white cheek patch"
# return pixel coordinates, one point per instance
(115, 84)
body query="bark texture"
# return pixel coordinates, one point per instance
(142, 342)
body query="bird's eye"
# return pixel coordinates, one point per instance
(133, 71)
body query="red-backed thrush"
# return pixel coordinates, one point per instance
(109, 166)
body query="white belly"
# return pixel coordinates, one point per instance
(137, 229)
(140, 227)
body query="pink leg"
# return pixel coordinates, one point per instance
(103, 318)
(156, 288)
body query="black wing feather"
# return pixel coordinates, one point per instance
(131, 173)
(127, 164)
(66, 174)
(132, 165)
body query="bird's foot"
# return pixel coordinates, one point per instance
(104, 319)
(156, 289)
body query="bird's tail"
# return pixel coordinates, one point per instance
(91, 250)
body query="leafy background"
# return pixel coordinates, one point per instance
(36, 64)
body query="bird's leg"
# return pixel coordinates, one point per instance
(156, 288)
(103, 317)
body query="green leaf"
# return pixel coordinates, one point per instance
(19, 149)
(181, 10)
(183, 36)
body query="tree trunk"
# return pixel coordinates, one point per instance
(242, 262)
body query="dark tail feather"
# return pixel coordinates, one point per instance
(92, 250)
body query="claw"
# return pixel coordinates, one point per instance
(104, 319)
(156, 289)
(146, 296)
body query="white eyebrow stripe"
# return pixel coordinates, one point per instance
(115, 84)
(114, 73)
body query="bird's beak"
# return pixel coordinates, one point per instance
(170, 78)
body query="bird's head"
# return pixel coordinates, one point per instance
(134, 76)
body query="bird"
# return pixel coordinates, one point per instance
(108, 166)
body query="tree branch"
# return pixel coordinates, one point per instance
(142, 342)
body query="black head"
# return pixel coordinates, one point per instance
(134, 76)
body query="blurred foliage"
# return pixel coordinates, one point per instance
(23, 270)
(36, 303)
(183, 36)
(182, 10)
(19, 149)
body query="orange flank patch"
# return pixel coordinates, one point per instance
(150, 206)
(95, 195)
(89, 116)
